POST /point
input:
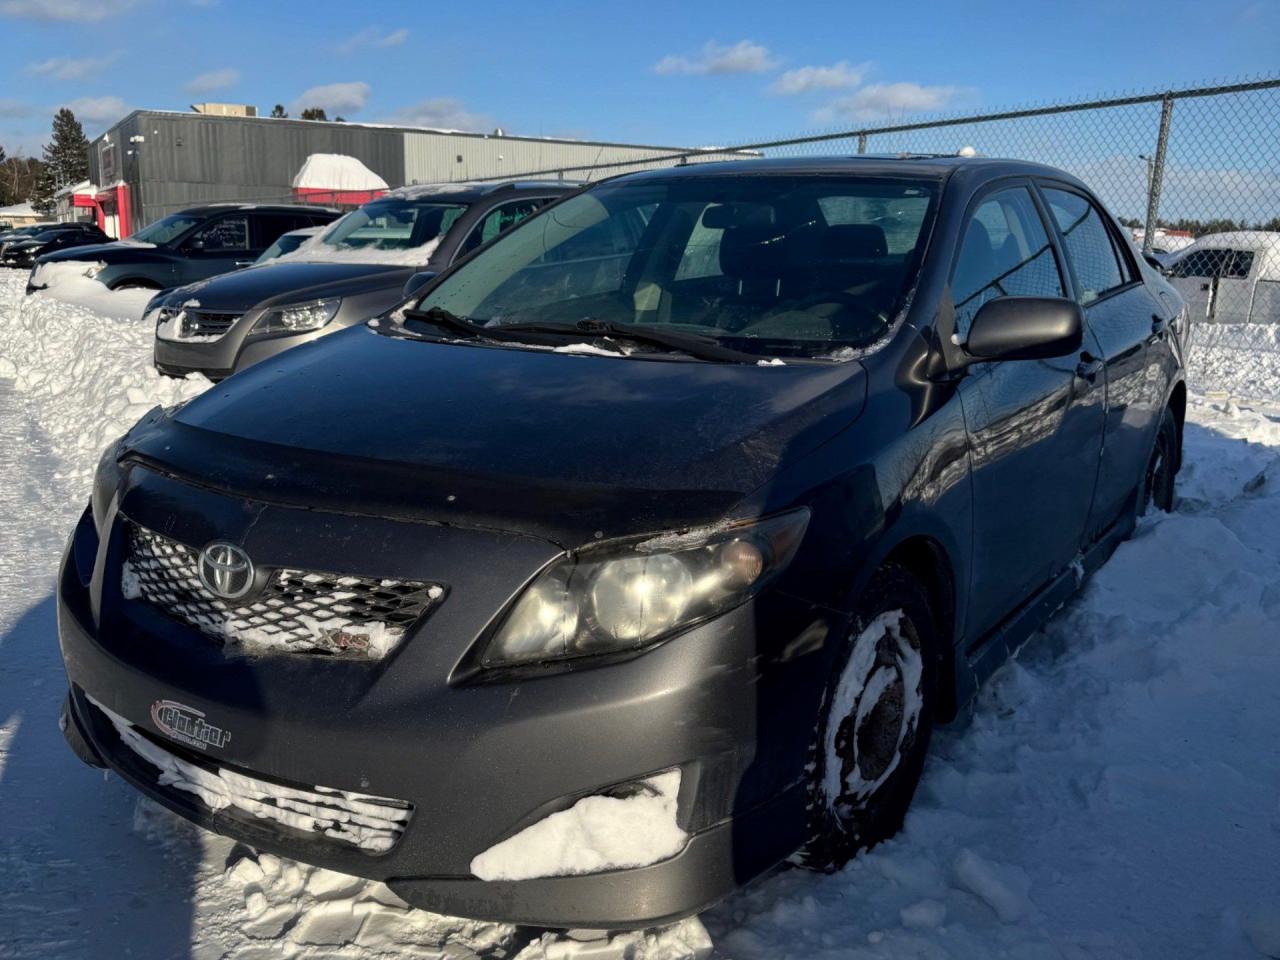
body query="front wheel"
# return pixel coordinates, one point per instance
(1162, 469)
(874, 732)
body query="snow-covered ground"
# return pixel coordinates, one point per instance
(1114, 793)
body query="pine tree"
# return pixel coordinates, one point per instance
(314, 113)
(279, 112)
(66, 160)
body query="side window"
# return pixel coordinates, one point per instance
(498, 219)
(226, 234)
(701, 256)
(1005, 252)
(268, 227)
(1088, 243)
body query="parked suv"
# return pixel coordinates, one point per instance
(362, 265)
(188, 246)
(643, 549)
(23, 252)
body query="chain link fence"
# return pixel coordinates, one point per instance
(1193, 174)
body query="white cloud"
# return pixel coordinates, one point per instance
(94, 110)
(65, 11)
(14, 108)
(374, 37)
(213, 80)
(335, 98)
(887, 100)
(70, 68)
(442, 113)
(743, 57)
(838, 76)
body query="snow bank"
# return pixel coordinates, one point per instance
(596, 833)
(1240, 360)
(86, 377)
(65, 280)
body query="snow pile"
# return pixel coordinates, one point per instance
(597, 833)
(315, 250)
(337, 172)
(85, 376)
(66, 280)
(687, 940)
(1239, 360)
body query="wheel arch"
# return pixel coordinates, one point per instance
(1178, 404)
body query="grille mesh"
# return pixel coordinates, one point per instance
(297, 610)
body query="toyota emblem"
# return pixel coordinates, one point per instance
(225, 570)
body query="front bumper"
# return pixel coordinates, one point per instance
(478, 763)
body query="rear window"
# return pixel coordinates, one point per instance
(1215, 262)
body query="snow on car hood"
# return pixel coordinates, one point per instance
(315, 250)
(557, 445)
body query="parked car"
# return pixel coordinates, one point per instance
(23, 252)
(682, 511)
(21, 233)
(188, 246)
(1230, 277)
(287, 243)
(362, 265)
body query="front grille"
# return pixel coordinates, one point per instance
(372, 823)
(185, 323)
(297, 611)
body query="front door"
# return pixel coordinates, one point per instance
(1035, 426)
(1125, 320)
(217, 247)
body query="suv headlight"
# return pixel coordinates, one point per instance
(95, 269)
(298, 317)
(622, 596)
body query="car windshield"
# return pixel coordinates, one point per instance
(285, 243)
(166, 229)
(391, 224)
(770, 264)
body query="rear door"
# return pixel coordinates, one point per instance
(1125, 321)
(1035, 426)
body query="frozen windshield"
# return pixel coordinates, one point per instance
(169, 228)
(392, 224)
(775, 265)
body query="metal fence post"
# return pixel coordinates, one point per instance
(1157, 175)
(862, 143)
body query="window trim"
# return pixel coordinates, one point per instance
(461, 251)
(1065, 278)
(1108, 224)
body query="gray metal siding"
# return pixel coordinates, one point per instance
(434, 157)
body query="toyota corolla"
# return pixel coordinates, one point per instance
(640, 551)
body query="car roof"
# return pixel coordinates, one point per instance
(208, 209)
(471, 191)
(928, 166)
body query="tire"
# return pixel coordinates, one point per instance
(868, 754)
(1157, 489)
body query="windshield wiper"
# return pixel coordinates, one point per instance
(447, 320)
(697, 346)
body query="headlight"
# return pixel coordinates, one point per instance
(299, 317)
(623, 596)
(95, 269)
(106, 480)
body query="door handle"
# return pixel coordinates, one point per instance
(244, 263)
(1089, 367)
(1159, 327)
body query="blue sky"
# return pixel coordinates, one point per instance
(685, 73)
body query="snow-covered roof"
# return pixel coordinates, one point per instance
(334, 171)
(19, 210)
(83, 187)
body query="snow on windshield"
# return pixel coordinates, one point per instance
(393, 230)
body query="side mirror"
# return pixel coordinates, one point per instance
(418, 281)
(1025, 328)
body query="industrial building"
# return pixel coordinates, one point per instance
(155, 162)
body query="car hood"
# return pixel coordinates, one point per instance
(572, 448)
(117, 251)
(287, 283)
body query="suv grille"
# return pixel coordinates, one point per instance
(196, 323)
(296, 611)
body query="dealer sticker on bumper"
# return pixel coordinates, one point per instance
(187, 725)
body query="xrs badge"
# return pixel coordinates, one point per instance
(187, 725)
